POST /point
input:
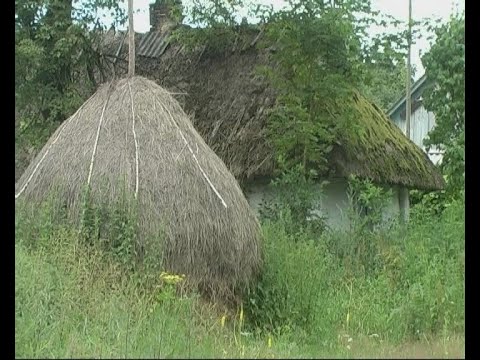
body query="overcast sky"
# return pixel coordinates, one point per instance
(397, 8)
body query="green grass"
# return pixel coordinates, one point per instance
(370, 294)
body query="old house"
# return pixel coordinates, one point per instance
(229, 104)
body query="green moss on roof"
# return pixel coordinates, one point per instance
(380, 151)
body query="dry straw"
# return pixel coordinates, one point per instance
(134, 131)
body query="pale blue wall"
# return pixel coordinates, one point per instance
(421, 122)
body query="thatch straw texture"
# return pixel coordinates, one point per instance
(135, 133)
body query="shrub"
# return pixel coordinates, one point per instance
(400, 283)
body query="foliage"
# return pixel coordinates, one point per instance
(322, 51)
(312, 295)
(287, 300)
(294, 196)
(56, 316)
(385, 60)
(213, 12)
(113, 228)
(368, 201)
(215, 21)
(57, 61)
(433, 202)
(445, 97)
(314, 66)
(385, 83)
(410, 285)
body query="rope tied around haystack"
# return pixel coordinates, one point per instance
(63, 126)
(95, 145)
(135, 139)
(192, 152)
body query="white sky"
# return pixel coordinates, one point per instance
(397, 8)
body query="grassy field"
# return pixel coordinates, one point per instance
(318, 298)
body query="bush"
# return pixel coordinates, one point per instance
(297, 270)
(399, 283)
(296, 195)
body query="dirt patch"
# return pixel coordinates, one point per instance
(452, 347)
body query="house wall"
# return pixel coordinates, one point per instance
(333, 204)
(421, 122)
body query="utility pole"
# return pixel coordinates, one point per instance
(409, 70)
(404, 195)
(131, 41)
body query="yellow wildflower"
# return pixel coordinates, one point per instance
(171, 278)
(269, 341)
(241, 313)
(222, 321)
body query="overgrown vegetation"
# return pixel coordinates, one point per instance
(313, 68)
(91, 291)
(367, 279)
(445, 97)
(445, 70)
(317, 291)
(321, 51)
(216, 27)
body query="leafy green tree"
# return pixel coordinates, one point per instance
(323, 50)
(445, 97)
(385, 59)
(55, 49)
(384, 81)
(315, 65)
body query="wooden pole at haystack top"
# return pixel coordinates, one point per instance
(131, 41)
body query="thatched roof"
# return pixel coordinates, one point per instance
(230, 104)
(133, 132)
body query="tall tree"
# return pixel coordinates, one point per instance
(445, 97)
(54, 50)
(324, 50)
(316, 63)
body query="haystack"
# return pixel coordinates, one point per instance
(133, 132)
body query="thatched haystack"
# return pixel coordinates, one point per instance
(133, 132)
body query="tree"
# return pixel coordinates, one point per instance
(323, 51)
(385, 76)
(445, 97)
(316, 64)
(55, 50)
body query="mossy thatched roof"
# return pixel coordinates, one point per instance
(381, 152)
(229, 103)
